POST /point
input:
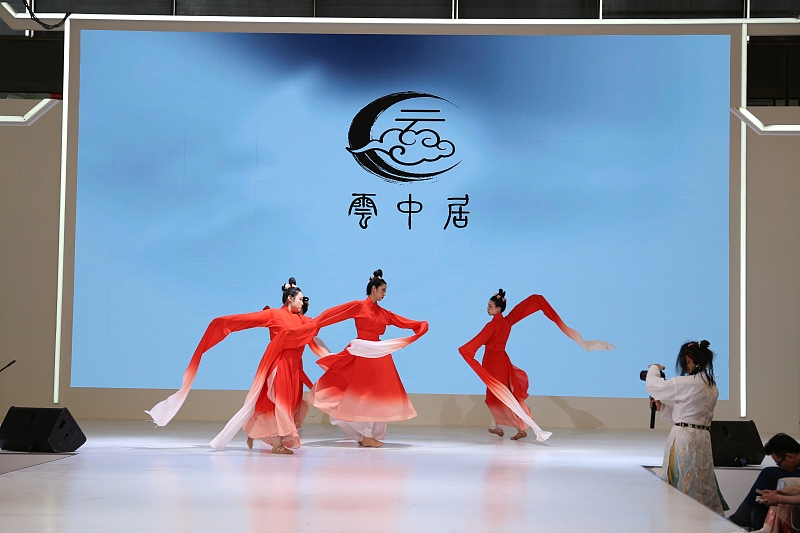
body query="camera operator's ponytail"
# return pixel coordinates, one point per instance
(702, 357)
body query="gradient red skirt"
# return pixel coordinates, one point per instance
(280, 409)
(361, 389)
(498, 364)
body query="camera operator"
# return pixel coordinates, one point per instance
(688, 464)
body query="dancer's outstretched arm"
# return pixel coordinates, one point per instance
(217, 330)
(537, 302)
(493, 384)
(338, 313)
(330, 316)
(419, 327)
(471, 348)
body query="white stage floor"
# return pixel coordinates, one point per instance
(132, 477)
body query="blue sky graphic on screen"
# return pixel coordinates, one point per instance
(592, 170)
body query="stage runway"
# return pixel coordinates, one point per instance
(132, 477)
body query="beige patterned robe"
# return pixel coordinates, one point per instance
(688, 463)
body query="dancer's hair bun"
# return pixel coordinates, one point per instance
(499, 299)
(375, 280)
(704, 344)
(289, 288)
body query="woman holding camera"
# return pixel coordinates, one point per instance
(688, 464)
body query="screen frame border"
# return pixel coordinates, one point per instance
(736, 30)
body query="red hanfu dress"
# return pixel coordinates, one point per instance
(361, 383)
(280, 408)
(496, 362)
(274, 405)
(507, 385)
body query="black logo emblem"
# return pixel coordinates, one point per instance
(403, 142)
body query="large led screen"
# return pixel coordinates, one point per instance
(593, 170)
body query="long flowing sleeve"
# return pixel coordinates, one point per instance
(537, 302)
(338, 313)
(495, 386)
(471, 348)
(217, 330)
(374, 349)
(304, 334)
(287, 338)
(419, 327)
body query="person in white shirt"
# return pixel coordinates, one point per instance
(688, 464)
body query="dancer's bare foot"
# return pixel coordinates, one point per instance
(496, 431)
(281, 449)
(520, 435)
(369, 442)
(250, 442)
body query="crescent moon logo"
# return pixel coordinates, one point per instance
(410, 147)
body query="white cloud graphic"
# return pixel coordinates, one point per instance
(409, 147)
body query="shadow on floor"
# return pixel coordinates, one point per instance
(341, 443)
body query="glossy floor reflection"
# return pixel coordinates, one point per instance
(130, 476)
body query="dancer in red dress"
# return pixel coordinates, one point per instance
(274, 409)
(360, 389)
(507, 385)
(302, 406)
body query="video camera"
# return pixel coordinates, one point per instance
(643, 377)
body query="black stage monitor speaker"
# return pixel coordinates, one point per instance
(40, 429)
(736, 443)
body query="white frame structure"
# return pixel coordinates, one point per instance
(738, 29)
(35, 113)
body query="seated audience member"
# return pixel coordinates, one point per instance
(782, 516)
(785, 451)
